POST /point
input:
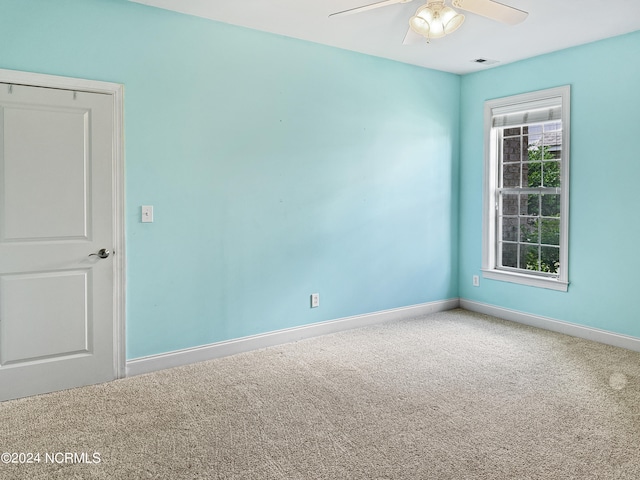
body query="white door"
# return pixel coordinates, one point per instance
(56, 209)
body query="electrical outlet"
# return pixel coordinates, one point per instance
(476, 281)
(315, 300)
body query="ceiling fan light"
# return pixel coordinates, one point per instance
(446, 14)
(437, 30)
(435, 20)
(453, 24)
(426, 13)
(419, 25)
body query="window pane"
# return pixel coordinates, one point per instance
(552, 140)
(510, 228)
(532, 174)
(510, 255)
(550, 259)
(551, 172)
(552, 127)
(511, 131)
(526, 141)
(533, 143)
(551, 205)
(511, 175)
(510, 204)
(529, 257)
(535, 152)
(529, 230)
(531, 204)
(511, 149)
(551, 231)
(553, 152)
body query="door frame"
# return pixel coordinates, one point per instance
(116, 90)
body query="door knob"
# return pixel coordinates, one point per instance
(102, 253)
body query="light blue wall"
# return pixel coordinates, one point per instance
(277, 168)
(605, 168)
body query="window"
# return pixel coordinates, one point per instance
(526, 195)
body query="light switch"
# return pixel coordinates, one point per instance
(147, 213)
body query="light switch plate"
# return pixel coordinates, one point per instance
(147, 213)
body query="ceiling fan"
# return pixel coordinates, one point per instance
(434, 19)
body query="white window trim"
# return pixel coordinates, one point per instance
(489, 269)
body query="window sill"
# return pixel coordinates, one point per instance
(529, 280)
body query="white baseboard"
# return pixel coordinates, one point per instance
(580, 331)
(187, 356)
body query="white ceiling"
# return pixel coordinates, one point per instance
(551, 25)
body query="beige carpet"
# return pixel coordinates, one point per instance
(454, 395)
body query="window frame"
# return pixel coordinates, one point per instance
(492, 148)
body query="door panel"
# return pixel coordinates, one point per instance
(56, 209)
(45, 169)
(43, 315)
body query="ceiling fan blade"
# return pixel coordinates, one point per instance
(371, 6)
(411, 38)
(493, 10)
